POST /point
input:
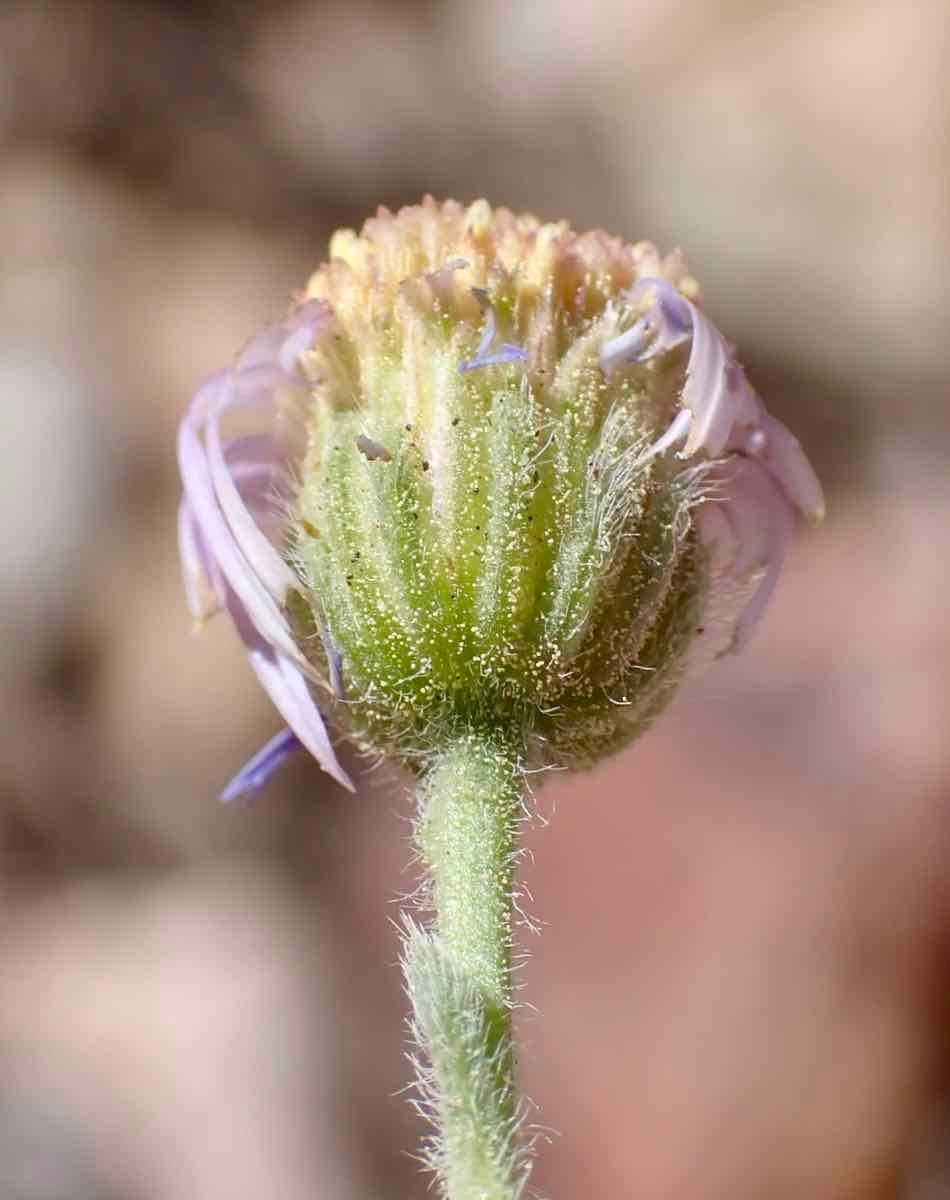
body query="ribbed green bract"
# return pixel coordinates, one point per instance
(483, 550)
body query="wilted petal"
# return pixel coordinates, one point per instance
(334, 663)
(783, 454)
(280, 346)
(262, 349)
(716, 391)
(705, 393)
(315, 314)
(287, 687)
(261, 556)
(506, 353)
(258, 468)
(257, 385)
(273, 355)
(747, 526)
(204, 587)
(677, 431)
(255, 774)
(721, 413)
(626, 347)
(254, 463)
(229, 523)
(485, 357)
(215, 532)
(666, 323)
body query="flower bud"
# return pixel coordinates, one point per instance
(500, 476)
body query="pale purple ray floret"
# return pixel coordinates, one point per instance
(761, 475)
(230, 528)
(255, 773)
(507, 352)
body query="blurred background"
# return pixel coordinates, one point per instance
(741, 984)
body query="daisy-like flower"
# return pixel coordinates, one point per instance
(488, 471)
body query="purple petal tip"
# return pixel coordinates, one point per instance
(506, 353)
(254, 774)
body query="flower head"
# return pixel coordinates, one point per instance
(490, 473)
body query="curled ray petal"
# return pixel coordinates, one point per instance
(751, 543)
(334, 662)
(271, 358)
(755, 515)
(260, 489)
(727, 595)
(771, 566)
(716, 389)
(716, 533)
(507, 353)
(264, 560)
(255, 451)
(753, 612)
(679, 313)
(257, 384)
(666, 323)
(313, 313)
(485, 357)
(625, 347)
(204, 587)
(676, 432)
(665, 337)
(488, 334)
(712, 371)
(257, 771)
(266, 346)
(750, 501)
(258, 483)
(257, 467)
(214, 530)
(705, 393)
(290, 693)
(262, 349)
(257, 462)
(674, 310)
(791, 469)
(295, 344)
(749, 408)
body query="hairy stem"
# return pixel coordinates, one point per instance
(458, 971)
